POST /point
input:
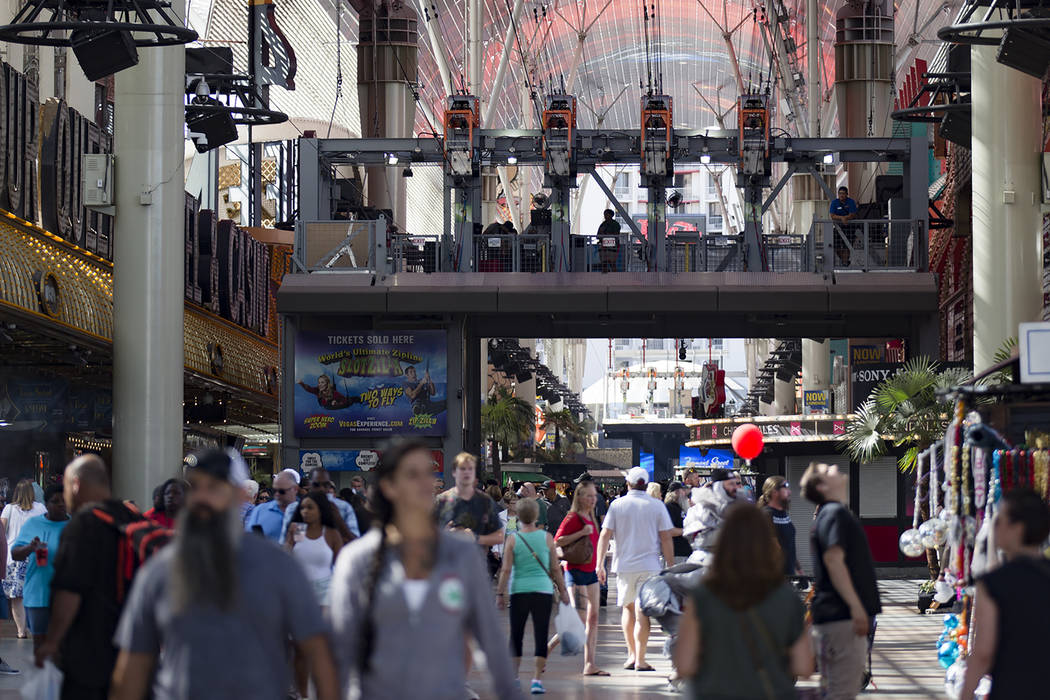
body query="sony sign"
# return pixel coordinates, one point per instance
(865, 378)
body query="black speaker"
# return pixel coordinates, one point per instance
(959, 62)
(102, 52)
(957, 127)
(209, 61)
(888, 187)
(217, 127)
(1025, 50)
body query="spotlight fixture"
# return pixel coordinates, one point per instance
(541, 201)
(829, 158)
(104, 34)
(512, 160)
(705, 156)
(391, 159)
(675, 200)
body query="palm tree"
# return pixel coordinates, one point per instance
(562, 421)
(903, 410)
(906, 411)
(506, 419)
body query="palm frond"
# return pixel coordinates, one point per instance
(865, 435)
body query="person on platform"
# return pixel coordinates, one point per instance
(391, 641)
(609, 241)
(209, 615)
(642, 530)
(846, 597)
(1012, 605)
(742, 632)
(842, 210)
(775, 502)
(269, 517)
(37, 545)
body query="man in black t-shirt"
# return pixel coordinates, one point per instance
(84, 605)
(465, 509)
(776, 499)
(609, 242)
(847, 596)
(677, 503)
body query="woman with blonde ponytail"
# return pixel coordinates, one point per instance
(407, 593)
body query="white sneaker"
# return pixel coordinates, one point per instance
(7, 670)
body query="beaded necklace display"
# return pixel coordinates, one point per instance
(980, 477)
(1041, 469)
(968, 532)
(934, 477)
(996, 478)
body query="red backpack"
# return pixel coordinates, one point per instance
(138, 539)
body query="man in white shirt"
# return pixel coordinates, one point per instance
(642, 529)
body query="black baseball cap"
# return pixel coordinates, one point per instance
(719, 474)
(675, 485)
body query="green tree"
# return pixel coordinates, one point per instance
(905, 411)
(506, 419)
(563, 422)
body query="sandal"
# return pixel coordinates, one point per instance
(628, 665)
(647, 667)
(599, 672)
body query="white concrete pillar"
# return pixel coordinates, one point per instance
(1006, 217)
(816, 366)
(148, 272)
(783, 398)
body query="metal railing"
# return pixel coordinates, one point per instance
(367, 246)
(512, 253)
(867, 245)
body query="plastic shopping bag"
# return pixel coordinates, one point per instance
(570, 630)
(45, 684)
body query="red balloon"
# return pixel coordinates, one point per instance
(747, 441)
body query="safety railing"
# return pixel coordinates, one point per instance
(868, 245)
(339, 246)
(512, 253)
(415, 253)
(787, 253)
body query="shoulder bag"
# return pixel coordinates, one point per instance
(579, 552)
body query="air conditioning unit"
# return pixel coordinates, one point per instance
(97, 179)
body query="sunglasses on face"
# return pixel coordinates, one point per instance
(281, 491)
(322, 484)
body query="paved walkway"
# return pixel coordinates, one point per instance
(904, 660)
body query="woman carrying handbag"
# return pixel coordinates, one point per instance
(742, 634)
(530, 564)
(577, 538)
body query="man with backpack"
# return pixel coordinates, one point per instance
(86, 589)
(220, 603)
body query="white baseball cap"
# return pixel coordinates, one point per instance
(637, 474)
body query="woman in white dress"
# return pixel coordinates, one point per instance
(14, 515)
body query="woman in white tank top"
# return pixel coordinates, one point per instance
(314, 540)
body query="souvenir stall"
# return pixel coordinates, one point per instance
(997, 440)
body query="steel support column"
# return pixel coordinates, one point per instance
(148, 363)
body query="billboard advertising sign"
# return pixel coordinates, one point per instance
(370, 383)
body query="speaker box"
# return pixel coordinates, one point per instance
(217, 127)
(102, 52)
(1025, 50)
(211, 60)
(957, 127)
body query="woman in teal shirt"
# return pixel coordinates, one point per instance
(530, 565)
(38, 542)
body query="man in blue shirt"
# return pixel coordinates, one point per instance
(320, 480)
(843, 210)
(270, 515)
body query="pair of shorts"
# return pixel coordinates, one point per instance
(15, 578)
(38, 619)
(628, 583)
(575, 577)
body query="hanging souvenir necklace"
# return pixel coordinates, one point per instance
(996, 481)
(1041, 469)
(980, 477)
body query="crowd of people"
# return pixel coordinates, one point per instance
(228, 589)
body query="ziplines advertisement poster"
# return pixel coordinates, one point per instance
(370, 383)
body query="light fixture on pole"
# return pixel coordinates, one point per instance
(104, 34)
(705, 156)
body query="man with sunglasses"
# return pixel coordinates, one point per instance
(269, 516)
(321, 480)
(776, 502)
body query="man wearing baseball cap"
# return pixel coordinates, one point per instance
(642, 529)
(220, 605)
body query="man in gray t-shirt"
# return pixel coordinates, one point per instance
(212, 612)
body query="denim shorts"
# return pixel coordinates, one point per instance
(581, 578)
(38, 619)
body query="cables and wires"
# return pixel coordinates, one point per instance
(338, 63)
